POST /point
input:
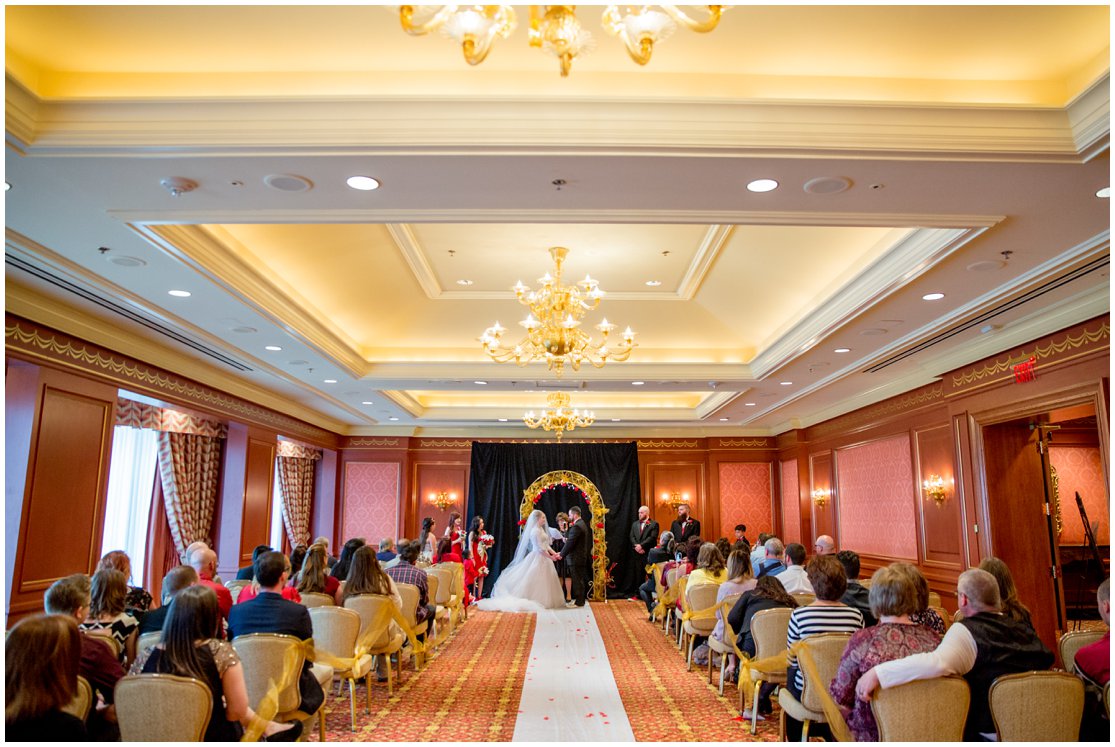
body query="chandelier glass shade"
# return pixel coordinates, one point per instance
(554, 28)
(558, 417)
(553, 325)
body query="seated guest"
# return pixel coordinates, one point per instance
(663, 551)
(365, 576)
(794, 579)
(314, 576)
(738, 579)
(1010, 604)
(825, 545)
(247, 572)
(187, 557)
(826, 614)
(725, 548)
(190, 648)
(856, 595)
(710, 566)
(70, 596)
(741, 534)
(447, 552)
(386, 550)
(759, 553)
(137, 601)
(340, 568)
(106, 611)
(923, 616)
(270, 613)
(175, 580)
(985, 644)
(297, 557)
(289, 592)
(41, 663)
(1093, 664)
(893, 598)
(395, 560)
(767, 594)
(324, 542)
(204, 561)
(405, 572)
(688, 562)
(772, 564)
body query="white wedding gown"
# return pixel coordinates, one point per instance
(530, 584)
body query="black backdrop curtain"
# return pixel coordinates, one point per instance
(501, 472)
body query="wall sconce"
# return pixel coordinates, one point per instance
(820, 497)
(443, 499)
(674, 499)
(934, 488)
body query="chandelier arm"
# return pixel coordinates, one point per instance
(436, 21)
(639, 51)
(475, 53)
(701, 27)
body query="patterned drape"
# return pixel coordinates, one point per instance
(142, 415)
(296, 489)
(188, 468)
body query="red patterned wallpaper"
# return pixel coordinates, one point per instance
(745, 497)
(371, 508)
(1080, 470)
(876, 499)
(791, 504)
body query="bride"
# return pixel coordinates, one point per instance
(529, 583)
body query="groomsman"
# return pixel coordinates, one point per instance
(577, 554)
(644, 534)
(685, 526)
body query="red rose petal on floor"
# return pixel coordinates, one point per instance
(603, 714)
(738, 718)
(545, 718)
(586, 697)
(551, 699)
(589, 715)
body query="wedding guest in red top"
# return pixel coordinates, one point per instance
(447, 553)
(314, 576)
(249, 592)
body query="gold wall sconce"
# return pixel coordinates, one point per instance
(821, 496)
(934, 487)
(674, 499)
(443, 499)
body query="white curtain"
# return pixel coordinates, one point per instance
(131, 479)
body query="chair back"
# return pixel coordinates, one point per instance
(265, 656)
(922, 711)
(147, 641)
(1037, 707)
(409, 593)
(336, 630)
(433, 586)
(672, 577)
(1072, 642)
(441, 584)
(236, 586)
(944, 615)
(367, 606)
(701, 597)
(826, 649)
(312, 599)
(162, 708)
(768, 629)
(935, 599)
(804, 598)
(83, 699)
(104, 635)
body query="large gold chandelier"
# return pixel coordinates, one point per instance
(554, 28)
(553, 325)
(558, 417)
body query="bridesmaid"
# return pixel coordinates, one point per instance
(455, 532)
(479, 552)
(563, 572)
(426, 539)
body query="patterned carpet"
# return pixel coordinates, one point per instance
(664, 702)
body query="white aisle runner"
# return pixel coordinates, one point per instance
(569, 694)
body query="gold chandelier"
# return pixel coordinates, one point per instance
(558, 417)
(554, 28)
(553, 325)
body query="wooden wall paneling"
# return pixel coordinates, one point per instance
(65, 487)
(21, 386)
(228, 517)
(259, 482)
(821, 477)
(685, 478)
(939, 526)
(323, 522)
(429, 477)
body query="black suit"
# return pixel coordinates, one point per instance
(682, 533)
(270, 613)
(577, 554)
(645, 536)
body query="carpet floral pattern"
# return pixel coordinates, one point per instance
(469, 692)
(664, 702)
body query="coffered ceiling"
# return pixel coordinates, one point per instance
(918, 150)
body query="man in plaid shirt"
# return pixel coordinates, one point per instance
(405, 572)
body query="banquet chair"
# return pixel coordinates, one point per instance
(311, 599)
(1037, 706)
(935, 600)
(147, 641)
(264, 657)
(236, 586)
(336, 632)
(726, 647)
(946, 618)
(922, 711)
(162, 708)
(700, 617)
(667, 597)
(387, 640)
(1072, 642)
(103, 635)
(683, 583)
(656, 572)
(804, 598)
(826, 650)
(83, 699)
(457, 600)
(410, 595)
(442, 625)
(768, 629)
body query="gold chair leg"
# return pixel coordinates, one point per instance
(755, 705)
(368, 691)
(805, 730)
(723, 661)
(352, 701)
(321, 723)
(781, 726)
(398, 665)
(689, 654)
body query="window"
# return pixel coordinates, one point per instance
(131, 479)
(276, 541)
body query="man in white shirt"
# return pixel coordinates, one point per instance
(984, 645)
(794, 578)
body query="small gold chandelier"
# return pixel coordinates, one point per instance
(553, 325)
(558, 417)
(554, 28)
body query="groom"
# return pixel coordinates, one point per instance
(577, 555)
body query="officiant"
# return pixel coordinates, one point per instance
(557, 543)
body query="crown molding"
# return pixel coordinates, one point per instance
(1090, 118)
(21, 114)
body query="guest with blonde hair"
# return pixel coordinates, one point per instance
(137, 600)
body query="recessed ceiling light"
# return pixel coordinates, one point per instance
(723, 420)
(762, 185)
(363, 183)
(465, 282)
(330, 381)
(244, 330)
(615, 420)
(503, 420)
(654, 283)
(121, 260)
(366, 402)
(786, 383)
(842, 350)
(873, 332)
(273, 348)
(1105, 192)
(748, 404)
(932, 296)
(480, 383)
(392, 418)
(637, 383)
(180, 294)
(7, 186)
